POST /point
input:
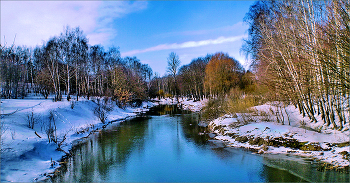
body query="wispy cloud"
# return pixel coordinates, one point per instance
(237, 26)
(33, 22)
(189, 44)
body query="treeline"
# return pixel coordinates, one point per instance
(67, 64)
(211, 76)
(301, 52)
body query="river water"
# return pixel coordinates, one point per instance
(167, 147)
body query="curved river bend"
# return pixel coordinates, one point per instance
(167, 147)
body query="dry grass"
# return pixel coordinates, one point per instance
(240, 105)
(213, 109)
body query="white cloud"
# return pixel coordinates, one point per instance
(33, 22)
(189, 44)
(239, 26)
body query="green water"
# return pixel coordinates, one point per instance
(166, 147)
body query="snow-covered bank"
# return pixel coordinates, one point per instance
(184, 103)
(26, 154)
(260, 132)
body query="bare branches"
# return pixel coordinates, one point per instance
(173, 64)
(301, 51)
(32, 119)
(172, 69)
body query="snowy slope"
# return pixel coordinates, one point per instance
(245, 130)
(26, 156)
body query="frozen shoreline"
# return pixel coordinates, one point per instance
(317, 140)
(267, 136)
(246, 130)
(26, 154)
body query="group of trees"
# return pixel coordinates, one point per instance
(16, 70)
(301, 51)
(67, 64)
(211, 76)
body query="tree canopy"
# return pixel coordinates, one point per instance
(222, 73)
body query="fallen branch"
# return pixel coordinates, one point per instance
(37, 134)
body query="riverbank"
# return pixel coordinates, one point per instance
(184, 103)
(27, 154)
(260, 132)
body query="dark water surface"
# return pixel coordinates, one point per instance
(166, 147)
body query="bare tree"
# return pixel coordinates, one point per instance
(300, 51)
(172, 69)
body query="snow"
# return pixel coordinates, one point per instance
(227, 125)
(26, 157)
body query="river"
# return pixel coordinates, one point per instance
(166, 147)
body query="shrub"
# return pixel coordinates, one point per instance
(240, 105)
(213, 109)
(160, 93)
(237, 101)
(72, 104)
(100, 113)
(101, 110)
(106, 100)
(168, 95)
(32, 119)
(311, 147)
(60, 141)
(242, 139)
(50, 127)
(247, 118)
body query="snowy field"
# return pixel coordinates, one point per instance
(26, 154)
(260, 132)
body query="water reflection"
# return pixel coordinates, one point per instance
(170, 110)
(305, 169)
(94, 158)
(166, 148)
(191, 129)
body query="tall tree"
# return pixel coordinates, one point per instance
(222, 73)
(51, 60)
(73, 45)
(97, 65)
(172, 69)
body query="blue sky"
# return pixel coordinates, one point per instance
(149, 30)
